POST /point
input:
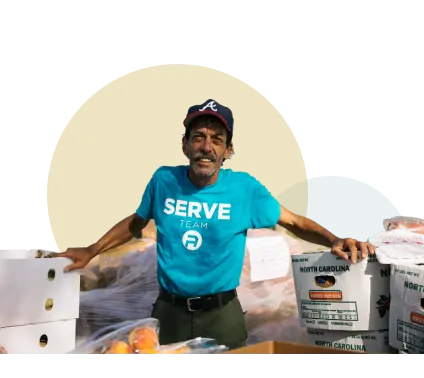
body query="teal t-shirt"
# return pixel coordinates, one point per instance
(201, 233)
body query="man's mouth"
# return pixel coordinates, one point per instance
(205, 160)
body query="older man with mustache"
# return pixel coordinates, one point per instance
(202, 213)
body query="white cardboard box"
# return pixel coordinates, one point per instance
(43, 338)
(36, 290)
(407, 308)
(356, 341)
(335, 294)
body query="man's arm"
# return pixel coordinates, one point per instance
(265, 209)
(312, 232)
(122, 232)
(305, 228)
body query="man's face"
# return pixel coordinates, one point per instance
(206, 147)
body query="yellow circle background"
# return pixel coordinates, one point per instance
(124, 132)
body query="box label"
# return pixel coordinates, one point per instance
(330, 310)
(341, 345)
(374, 341)
(410, 334)
(417, 318)
(406, 272)
(324, 269)
(414, 286)
(325, 295)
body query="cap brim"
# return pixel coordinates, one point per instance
(191, 117)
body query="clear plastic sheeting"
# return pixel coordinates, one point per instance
(404, 223)
(141, 337)
(129, 296)
(401, 241)
(131, 290)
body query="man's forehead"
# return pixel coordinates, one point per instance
(215, 127)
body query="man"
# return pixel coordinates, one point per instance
(202, 213)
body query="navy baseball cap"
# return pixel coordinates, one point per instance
(213, 108)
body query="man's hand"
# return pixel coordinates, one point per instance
(312, 232)
(80, 257)
(124, 231)
(355, 247)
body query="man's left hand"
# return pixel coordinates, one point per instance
(355, 247)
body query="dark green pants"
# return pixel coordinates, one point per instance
(225, 324)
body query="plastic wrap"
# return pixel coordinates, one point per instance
(129, 296)
(127, 337)
(270, 306)
(411, 224)
(400, 230)
(141, 337)
(401, 241)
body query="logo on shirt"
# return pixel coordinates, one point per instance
(193, 209)
(192, 240)
(195, 216)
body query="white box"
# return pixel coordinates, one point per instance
(44, 338)
(36, 290)
(335, 294)
(355, 341)
(407, 308)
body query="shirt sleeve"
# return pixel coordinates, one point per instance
(145, 210)
(265, 209)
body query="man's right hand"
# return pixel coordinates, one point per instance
(124, 231)
(80, 257)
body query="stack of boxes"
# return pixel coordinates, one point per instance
(39, 303)
(407, 308)
(343, 305)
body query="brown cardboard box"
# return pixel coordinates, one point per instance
(274, 347)
(273, 350)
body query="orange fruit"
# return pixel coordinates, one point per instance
(148, 351)
(143, 338)
(119, 347)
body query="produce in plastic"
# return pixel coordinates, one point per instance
(401, 242)
(141, 337)
(404, 223)
(400, 230)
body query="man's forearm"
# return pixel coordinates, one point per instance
(310, 231)
(119, 234)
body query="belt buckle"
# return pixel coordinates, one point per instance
(189, 303)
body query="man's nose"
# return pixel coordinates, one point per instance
(207, 145)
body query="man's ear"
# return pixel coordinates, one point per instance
(184, 146)
(229, 152)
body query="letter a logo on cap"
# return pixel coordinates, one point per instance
(211, 105)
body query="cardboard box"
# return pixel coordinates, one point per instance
(407, 308)
(357, 341)
(335, 294)
(44, 338)
(273, 347)
(36, 290)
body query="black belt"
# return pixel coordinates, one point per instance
(199, 303)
